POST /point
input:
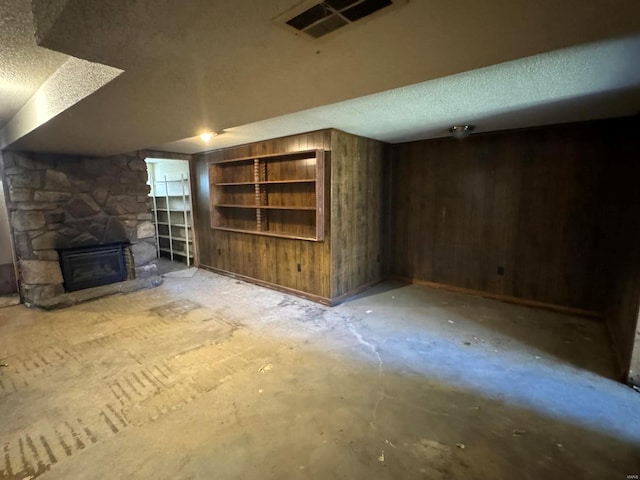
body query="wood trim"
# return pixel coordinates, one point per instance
(142, 154)
(504, 298)
(265, 234)
(263, 207)
(273, 286)
(224, 150)
(195, 215)
(268, 182)
(300, 153)
(320, 195)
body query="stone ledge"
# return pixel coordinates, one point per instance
(9, 300)
(73, 298)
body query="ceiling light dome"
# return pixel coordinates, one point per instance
(461, 131)
(207, 136)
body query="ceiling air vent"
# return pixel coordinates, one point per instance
(319, 19)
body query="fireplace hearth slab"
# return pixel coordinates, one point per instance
(186, 273)
(79, 296)
(9, 300)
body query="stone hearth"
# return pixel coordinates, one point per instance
(61, 201)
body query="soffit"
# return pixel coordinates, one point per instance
(226, 64)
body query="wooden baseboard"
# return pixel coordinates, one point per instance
(505, 298)
(330, 302)
(273, 286)
(450, 288)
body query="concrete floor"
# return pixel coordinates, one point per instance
(206, 377)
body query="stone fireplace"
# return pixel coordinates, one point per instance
(58, 202)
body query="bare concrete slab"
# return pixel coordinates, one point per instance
(210, 377)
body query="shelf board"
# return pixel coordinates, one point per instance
(312, 155)
(177, 252)
(174, 224)
(268, 234)
(177, 195)
(264, 207)
(266, 182)
(301, 171)
(172, 210)
(175, 237)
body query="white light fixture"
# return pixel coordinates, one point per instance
(461, 131)
(207, 136)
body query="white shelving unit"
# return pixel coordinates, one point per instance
(172, 216)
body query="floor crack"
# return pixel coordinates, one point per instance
(381, 393)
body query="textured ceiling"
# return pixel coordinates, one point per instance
(74, 80)
(593, 81)
(226, 65)
(23, 65)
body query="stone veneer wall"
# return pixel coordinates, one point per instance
(59, 201)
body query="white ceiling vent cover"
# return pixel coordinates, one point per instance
(318, 19)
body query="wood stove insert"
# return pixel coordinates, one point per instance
(91, 266)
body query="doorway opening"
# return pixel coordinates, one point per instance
(170, 192)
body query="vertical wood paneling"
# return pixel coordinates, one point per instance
(618, 240)
(526, 201)
(357, 212)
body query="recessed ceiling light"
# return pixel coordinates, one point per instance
(206, 136)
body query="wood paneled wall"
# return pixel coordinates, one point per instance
(351, 255)
(511, 214)
(543, 214)
(358, 209)
(618, 277)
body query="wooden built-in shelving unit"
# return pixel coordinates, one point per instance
(303, 214)
(279, 195)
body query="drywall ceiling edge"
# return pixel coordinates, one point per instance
(73, 81)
